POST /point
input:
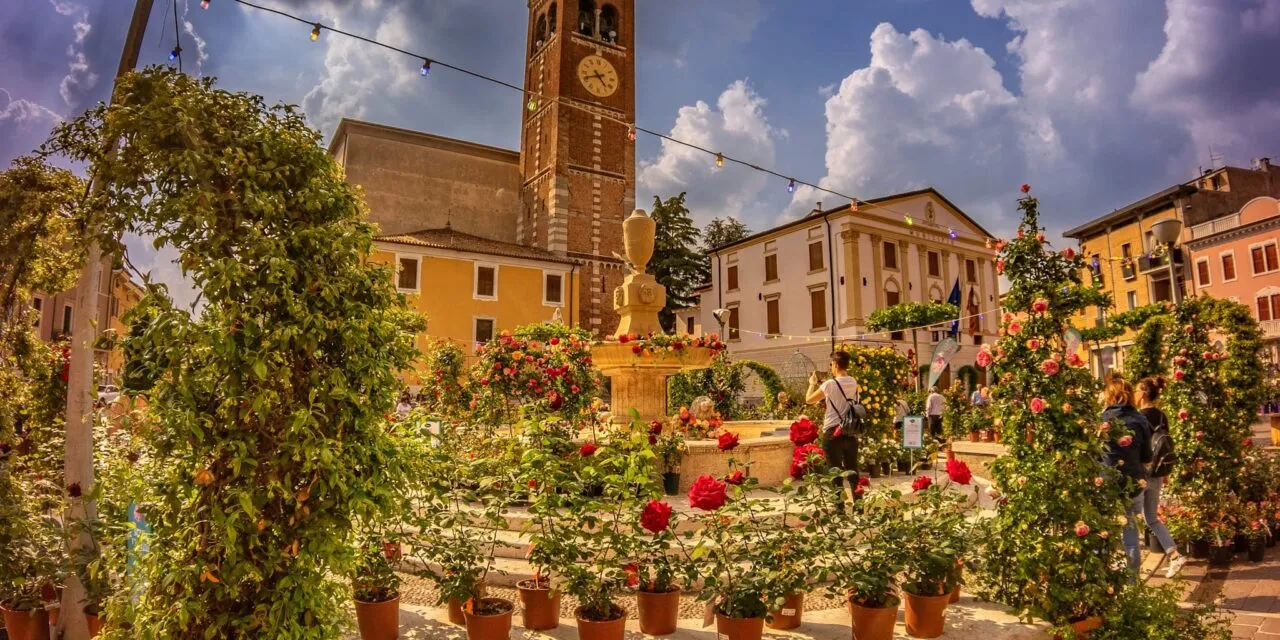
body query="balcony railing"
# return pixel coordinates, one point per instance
(1215, 226)
(1148, 264)
(1127, 270)
(1270, 328)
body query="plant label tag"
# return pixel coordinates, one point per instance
(709, 616)
(722, 636)
(788, 612)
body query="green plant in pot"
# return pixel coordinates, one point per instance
(936, 541)
(670, 448)
(790, 549)
(377, 588)
(865, 551)
(30, 552)
(549, 467)
(660, 556)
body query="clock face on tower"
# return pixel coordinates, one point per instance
(598, 76)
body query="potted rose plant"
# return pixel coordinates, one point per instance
(660, 554)
(548, 467)
(935, 544)
(669, 446)
(29, 555)
(864, 554)
(377, 590)
(788, 550)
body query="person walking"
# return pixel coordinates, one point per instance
(1147, 398)
(1128, 451)
(840, 394)
(933, 406)
(978, 398)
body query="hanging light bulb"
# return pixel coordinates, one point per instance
(909, 220)
(631, 133)
(173, 55)
(720, 160)
(315, 32)
(204, 4)
(791, 186)
(952, 233)
(426, 67)
(533, 104)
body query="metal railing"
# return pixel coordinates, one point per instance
(1270, 328)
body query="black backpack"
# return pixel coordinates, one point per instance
(852, 418)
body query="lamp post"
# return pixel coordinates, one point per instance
(1166, 232)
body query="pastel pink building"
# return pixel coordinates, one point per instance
(1237, 257)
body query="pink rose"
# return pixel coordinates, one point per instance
(1199, 435)
(1104, 427)
(983, 359)
(1183, 415)
(1014, 328)
(1074, 360)
(1049, 367)
(1040, 305)
(1082, 529)
(1033, 344)
(1125, 440)
(1037, 405)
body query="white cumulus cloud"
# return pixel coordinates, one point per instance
(736, 126)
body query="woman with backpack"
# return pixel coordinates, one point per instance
(1147, 397)
(842, 419)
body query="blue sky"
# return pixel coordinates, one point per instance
(1096, 103)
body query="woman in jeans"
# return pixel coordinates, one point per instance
(1128, 452)
(1146, 397)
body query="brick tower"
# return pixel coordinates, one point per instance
(577, 163)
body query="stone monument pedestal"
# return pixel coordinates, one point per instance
(640, 381)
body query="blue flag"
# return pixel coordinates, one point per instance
(954, 299)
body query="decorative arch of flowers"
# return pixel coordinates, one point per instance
(884, 375)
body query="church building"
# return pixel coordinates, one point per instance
(551, 212)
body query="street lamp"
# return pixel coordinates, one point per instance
(1166, 232)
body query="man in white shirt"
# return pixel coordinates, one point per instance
(933, 406)
(839, 394)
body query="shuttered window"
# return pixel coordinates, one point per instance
(1202, 273)
(1228, 266)
(732, 278)
(485, 278)
(890, 255)
(733, 323)
(935, 269)
(815, 256)
(771, 267)
(818, 308)
(772, 319)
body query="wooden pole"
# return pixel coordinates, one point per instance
(80, 390)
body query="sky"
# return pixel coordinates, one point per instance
(1095, 103)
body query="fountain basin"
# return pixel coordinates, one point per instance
(639, 381)
(769, 455)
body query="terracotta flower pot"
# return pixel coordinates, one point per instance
(1084, 628)
(491, 620)
(789, 616)
(739, 628)
(926, 614)
(541, 606)
(26, 625)
(615, 629)
(378, 620)
(456, 606)
(955, 595)
(659, 612)
(873, 623)
(973, 436)
(95, 624)
(987, 436)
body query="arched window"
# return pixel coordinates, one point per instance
(609, 24)
(540, 32)
(587, 17)
(551, 20)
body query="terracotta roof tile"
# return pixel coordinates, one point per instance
(447, 238)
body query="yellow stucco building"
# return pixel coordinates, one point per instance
(471, 288)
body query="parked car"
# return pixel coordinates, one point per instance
(108, 393)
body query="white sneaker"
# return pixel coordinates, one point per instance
(1175, 565)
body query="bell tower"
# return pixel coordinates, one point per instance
(577, 159)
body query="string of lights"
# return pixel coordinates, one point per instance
(862, 336)
(536, 98)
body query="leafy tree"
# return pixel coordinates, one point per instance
(1053, 551)
(676, 262)
(269, 443)
(722, 231)
(910, 316)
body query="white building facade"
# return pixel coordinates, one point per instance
(807, 285)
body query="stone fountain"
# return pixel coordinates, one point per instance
(639, 381)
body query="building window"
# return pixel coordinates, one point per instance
(38, 305)
(486, 282)
(484, 330)
(892, 298)
(818, 308)
(66, 319)
(771, 267)
(1095, 270)
(734, 334)
(688, 325)
(1132, 299)
(586, 17)
(890, 256)
(609, 24)
(553, 290)
(1126, 265)
(115, 307)
(773, 318)
(816, 262)
(1202, 272)
(935, 265)
(732, 278)
(407, 278)
(1162, 290)
(1264, 258)
(1268, 307)
(971, 270)
(1228, 267)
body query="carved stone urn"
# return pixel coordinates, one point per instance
(640, 297)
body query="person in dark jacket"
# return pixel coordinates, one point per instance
(1128, 452)
(1147, 397)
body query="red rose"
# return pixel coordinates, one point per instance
(728, 441)
(1040, 305)
(1179, 375)
(803, 432)
(858, 491)
(557, 401)
(678, 346)
(533, 484)
(554, 341)
(1082, 529)
(637, 349)
(1049, 367)
(655, 428)
(633, 575)
(653, 440)
(736, 478)
(1199, 435)
(958, 471)
(1000, 267)
(684, 414)
(1074, 360)
(1037, 405)
(1183, 415)
(864, 481)
(1125, 441)
(805, 459)
(1069, 253)
(624, 339)
(707, 493)
(921, 483)
(1248, 442)
(656, 516)
(1026, 188)
(587, 450)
